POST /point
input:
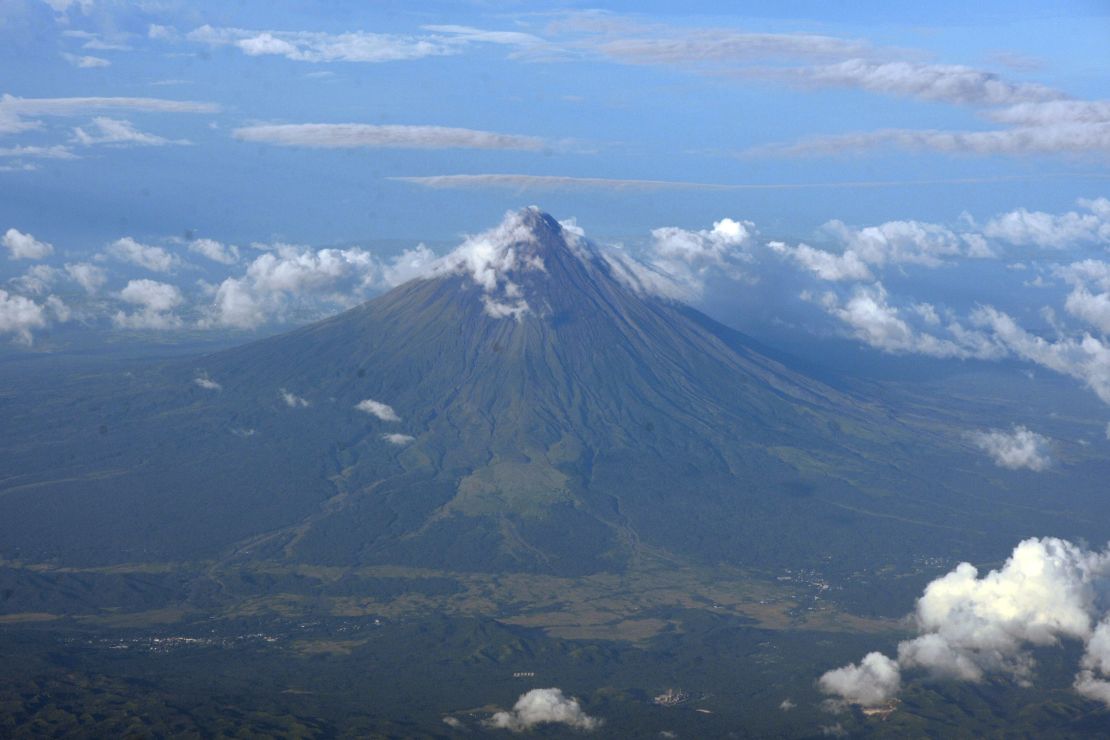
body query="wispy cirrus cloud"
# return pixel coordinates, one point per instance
(363, 135)
(948, 83)
(1063, 138)
(552, 182)
(119, 133)
(20, 114)
(86, 62)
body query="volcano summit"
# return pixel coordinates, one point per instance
(530, 404)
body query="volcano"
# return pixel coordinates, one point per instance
(529, 405)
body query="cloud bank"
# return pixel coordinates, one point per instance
(970, 627)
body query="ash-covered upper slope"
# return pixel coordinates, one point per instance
(527, 405)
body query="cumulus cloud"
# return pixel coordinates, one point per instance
(155, 259)
(872, 681)
(398, 439)
(22, 246)
(846, 266)
(363, 135)
(1054, 231)
(155, 302)
(87, 275)
(969, 627)
(225, 254)
(37, 280)
(1020, 448)
(914, 242)
(676, 262)
(118, 133)
(381, 410)
(19, 316)
(544, 706)
(292, 400)
(289, 277)
(874, 321)
(1086, 358)
(208, 384)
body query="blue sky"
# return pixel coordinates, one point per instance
(926, 180)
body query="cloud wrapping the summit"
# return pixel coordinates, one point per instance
(969, 627)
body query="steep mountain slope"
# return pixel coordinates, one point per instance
(532, 408)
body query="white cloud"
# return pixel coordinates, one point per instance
(355, 135)
(846, 266)
(877, 323)
(86, 62)
(1091, 681)
(225, 254)
(552, 182)
(410, 264)
(24, 246)
(948, 83)
(208, 384)
(381, 410)
(152, 295)
(494, 257)
(969, 627)
(1054, 231)
(19, 315)
(88, 276)
(680, 260)
(876, 679)
(308, 46)
(57, 151)
(37, 280)
(119, 133)
(1086, 358)
(155, 302)
(398, 439)
(148, 257)
(1016, 449)
(899, 242)
(721, 45)
(292, 400)
(291, 277)
(1053, 112)
(19, 114)
(544, 706)
(1063, 138)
